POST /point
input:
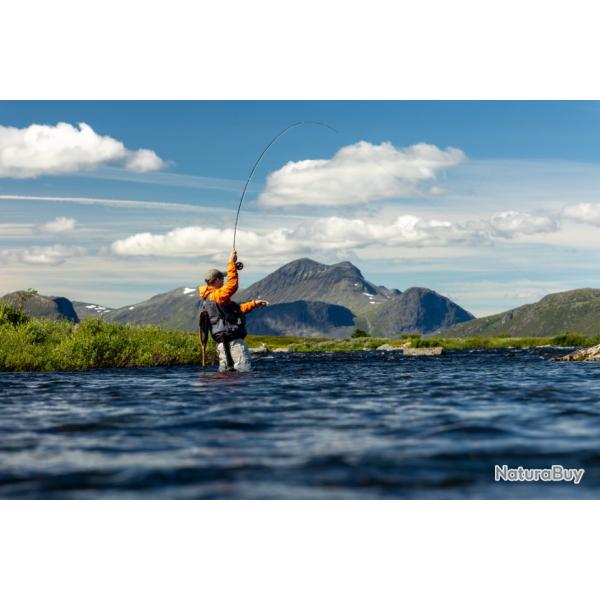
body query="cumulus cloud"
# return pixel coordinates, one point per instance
(143, 161)
(583, 213)
(63, 148)
(511, 223)
(42, 255)
(358, 174)
(192, 241)
(59, 225)
(325, 234)
(335, 234)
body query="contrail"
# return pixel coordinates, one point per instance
(117, 203)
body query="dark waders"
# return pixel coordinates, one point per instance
(228, 356)
(205, 328)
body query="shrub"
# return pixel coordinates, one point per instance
(44, 344)
(570, 339)
(360, 333)
(12, 315)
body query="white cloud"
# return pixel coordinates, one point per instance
(59, 225)
(584, 212)
(188, 241)
(319, 235)
(143, 161)
(511, 223)
(59, 149)
(334, 235)
(42, 255)
(358, 174)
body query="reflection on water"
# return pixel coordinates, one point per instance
(332, 425)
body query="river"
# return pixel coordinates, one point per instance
(358, 425)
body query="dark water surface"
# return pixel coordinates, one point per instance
(330, 425)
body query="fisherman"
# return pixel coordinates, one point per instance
(227, 318)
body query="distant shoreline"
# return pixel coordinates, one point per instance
(567, 340)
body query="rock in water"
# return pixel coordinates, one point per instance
(262, 349)
(435, 351)
(592, 353)
(390, 348)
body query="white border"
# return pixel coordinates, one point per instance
(298, 550)
(325, 49)
(304, 50)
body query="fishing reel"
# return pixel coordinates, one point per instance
(239, 266)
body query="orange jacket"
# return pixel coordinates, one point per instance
(223, 294)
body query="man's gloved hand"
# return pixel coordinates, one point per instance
(261, 303)
(233, 256)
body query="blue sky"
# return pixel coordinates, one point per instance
(492, 203)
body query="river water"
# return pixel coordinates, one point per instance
(330, 425)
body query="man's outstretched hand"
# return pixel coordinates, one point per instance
(233, 256)
(261, 303)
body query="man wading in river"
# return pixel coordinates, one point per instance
(226, 318)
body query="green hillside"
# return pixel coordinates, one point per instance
(576, 311)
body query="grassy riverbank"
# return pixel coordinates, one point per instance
(566, 340)
(29, 344)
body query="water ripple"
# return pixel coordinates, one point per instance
(330, 425)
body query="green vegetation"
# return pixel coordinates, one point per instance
(359, 333)
(276, 341)
(416, 341)
(30, 344)
(554, 314)
(564, 340)
(299, 344)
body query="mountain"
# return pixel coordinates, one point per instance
(576, 311)
(378, 310)
(300, 318)
(308, 299)
(85, 309)
(416, 310)
(46, 307)
(306, 279)
(177, 309)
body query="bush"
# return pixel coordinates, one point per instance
(12, 315)
(571, 339)
(360, 333)
(46, 345)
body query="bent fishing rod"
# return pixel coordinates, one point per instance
(240, 265)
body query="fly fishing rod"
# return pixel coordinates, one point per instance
(240, 265)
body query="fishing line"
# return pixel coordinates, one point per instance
(281, 133)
